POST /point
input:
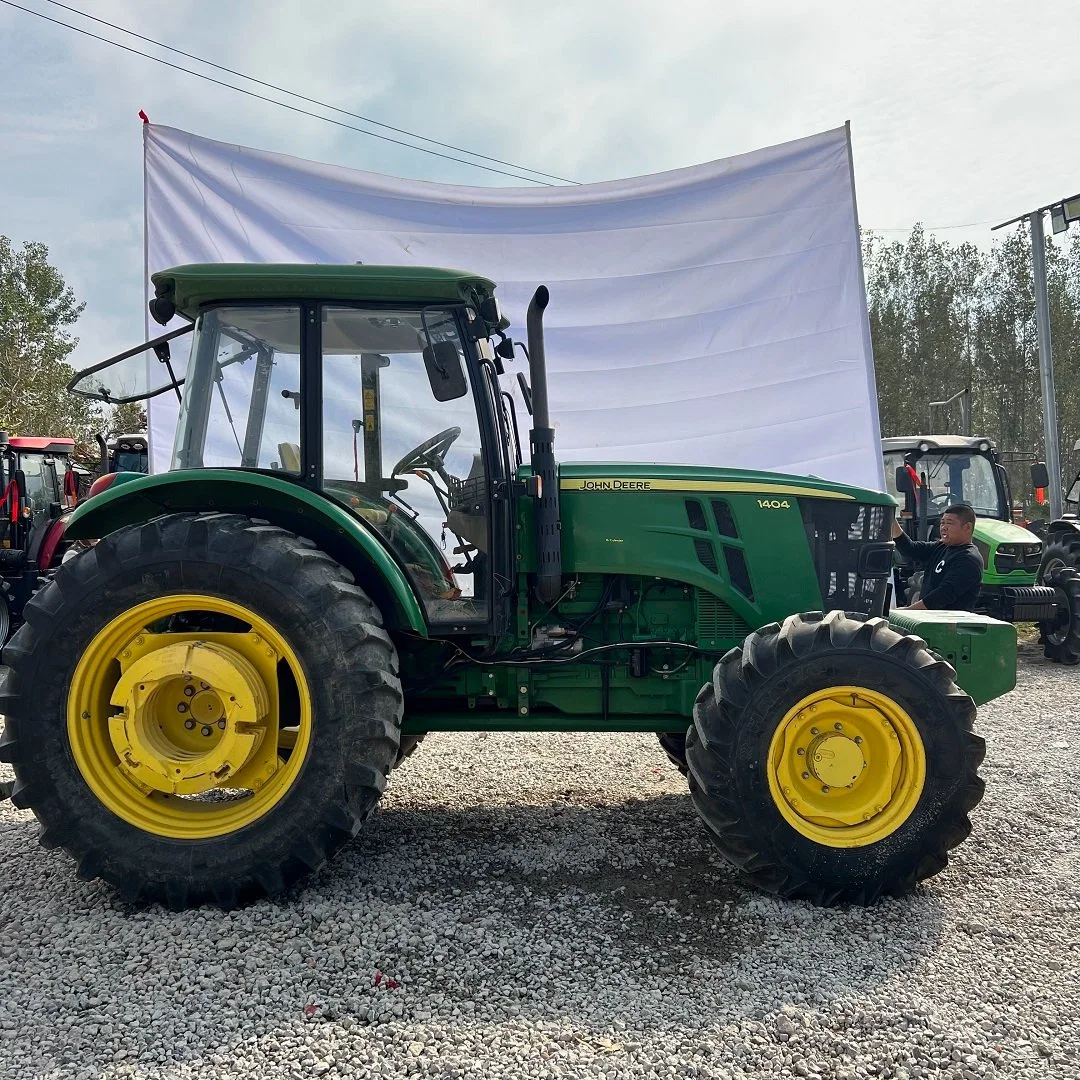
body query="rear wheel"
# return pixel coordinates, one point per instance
(832, 759)
(200, 708)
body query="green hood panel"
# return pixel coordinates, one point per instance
(994, 532)
(136, 498)
(649, 477)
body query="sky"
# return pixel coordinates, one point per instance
(960, 112)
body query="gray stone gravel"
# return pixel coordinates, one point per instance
(548, 906)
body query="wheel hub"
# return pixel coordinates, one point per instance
(191, 716)
(835, 759)
(846, 766)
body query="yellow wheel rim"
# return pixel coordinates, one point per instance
(846, 766)
(179, 733)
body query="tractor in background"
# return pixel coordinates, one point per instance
(1023, 580)
(38, 488)
(123, 453)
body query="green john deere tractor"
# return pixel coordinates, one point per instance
(1023, 580)
(349, 553)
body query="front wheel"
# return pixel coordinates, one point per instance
(832, 759)
(201, 708)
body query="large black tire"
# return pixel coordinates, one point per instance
(1062, 550)
(674, 745)
(334, 631)
(735, 718)
(1061, 636)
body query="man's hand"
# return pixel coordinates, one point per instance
(896, 530)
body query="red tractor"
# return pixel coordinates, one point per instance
(38, 487)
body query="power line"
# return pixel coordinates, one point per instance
(273, 101)
(934, 228)
(304, 97)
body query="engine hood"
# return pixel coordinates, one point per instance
(645, 477)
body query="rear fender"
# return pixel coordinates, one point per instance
(259, 495)
(1063, 525)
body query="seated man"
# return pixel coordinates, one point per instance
(953, 565)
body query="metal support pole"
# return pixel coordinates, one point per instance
(1046, 362)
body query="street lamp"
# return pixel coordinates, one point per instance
(1062, 213)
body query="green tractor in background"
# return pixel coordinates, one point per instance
(350, 552)
(1024, 580)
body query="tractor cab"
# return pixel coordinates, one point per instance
(37, 484)
(124, 453)
(391, 407)
(926, 474)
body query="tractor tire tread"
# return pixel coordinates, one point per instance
(350, 661)
(776, 655)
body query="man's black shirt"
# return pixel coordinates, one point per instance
(953, 574)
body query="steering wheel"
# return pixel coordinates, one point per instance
(430, 454)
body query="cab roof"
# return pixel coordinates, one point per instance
(41, 445)
(190, 287)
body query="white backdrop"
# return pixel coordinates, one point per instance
(712, 315)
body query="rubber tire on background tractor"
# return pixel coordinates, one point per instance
(1061, 636)
(1062, 549)
(753, 695)
(347, 695)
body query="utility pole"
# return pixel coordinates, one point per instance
(1061, 213)
(1046, 363)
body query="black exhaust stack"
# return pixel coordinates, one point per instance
(542, 447)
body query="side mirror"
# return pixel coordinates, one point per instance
(444, 371)
(903, 479)
(1040, 478)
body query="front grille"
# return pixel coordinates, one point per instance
(1010, 557)
(837, 533)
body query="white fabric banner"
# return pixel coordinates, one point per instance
(714, 315)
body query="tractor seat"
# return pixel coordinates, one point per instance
(289, 453)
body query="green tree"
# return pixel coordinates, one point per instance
(128, 418)
(36, 309)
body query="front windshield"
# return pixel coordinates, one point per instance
(951, 477)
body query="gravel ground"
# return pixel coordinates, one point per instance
(548, 906)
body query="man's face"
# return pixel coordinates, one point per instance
(954, 533)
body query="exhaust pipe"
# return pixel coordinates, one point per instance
(542, 449)
(103, 454)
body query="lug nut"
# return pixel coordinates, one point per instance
(800, 751)
(208, 731)
(839, 727)
(189, 724)
(813, 731)
(825, 787)
(858, 740)
(182, 707)
(221, 724)
(806, 776)
(189, 691)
